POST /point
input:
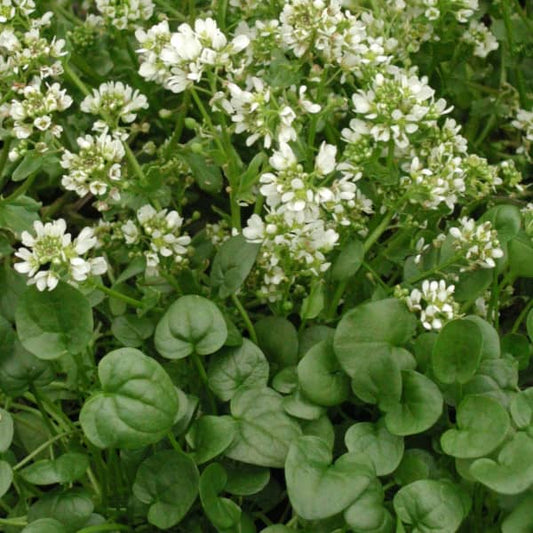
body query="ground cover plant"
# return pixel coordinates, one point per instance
(266, 266)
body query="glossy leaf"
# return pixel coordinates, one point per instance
(278, 339)
(210, 436)
(192, 324)
(65, 469)
(138, 403)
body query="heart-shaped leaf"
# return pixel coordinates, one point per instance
(318, 489)
(457, 352)
(264, 432)
(512, 473)
(210, 436)
(419, 408)
(223, 513)
(138, 403)
(482, 424)
(6, 430)
(235, 367)
(278, 339)
(430, 506)
(168, 483)
(245, 480)
(320, 376)
(65, 469)
(363, 329)
(53, 323)
(191, 324)
(383, 449)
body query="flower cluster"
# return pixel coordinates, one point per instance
(434, 303)
(524, 123)
(178, 60)
(478, 242)
(51, 255)
(115, 101)
(158, 234)
(95, 168)
(33, 112)
(124, 13)
(481, 38)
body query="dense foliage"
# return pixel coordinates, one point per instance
(266, 266)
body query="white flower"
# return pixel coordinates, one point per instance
(325, 160)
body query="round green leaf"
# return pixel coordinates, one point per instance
(430, 506)
(348, 261)
(167, 482)
(72, 508)
(416, 464)
(264, 431)
(45, 525)
(490, 338)
(482, 424)
(297, 405)
(53, 323)
(192, 324)
(512, 473)
(210, 436)
(278, 339)
(138, 403)
(235, 367)
(369, 326)
(132, 330)
(65, 469)
(521, 408)
(223, 513)
(245, 480)
(419, 408)
(318, 489)
(457, 352)
(384, 449)
(6, 430)
(521, 518)
(321, 377)
(521, 255)
(505, 219)
(322, 427)
(6, 477)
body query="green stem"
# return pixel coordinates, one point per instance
(19, 191)
(94, 483)
(434, 270)
(44, 412)
(120, 296)
(245, 317)
(203, 377)
(378, 231)
(130, 156)
(104, 527)
(521, 316)
(75, 79)
(4, 155)
(19, 521)
(41, 448)
(337, 295)
(174, 442)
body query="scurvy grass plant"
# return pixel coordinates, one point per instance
(266, 266)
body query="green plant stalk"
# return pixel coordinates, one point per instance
(245, 317)
(19, 191)
(434, 270)
(521, 316)
(19, 521)
(119, 296)
(104, 527)
(75, 79)
(132, 160)
(4, 156)
(205, 381)
(44, 412)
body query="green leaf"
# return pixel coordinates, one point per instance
(367, 513)
(6, 430)
(297, 405)
(430, 506)
(318, 489)
(505, 219)
(378, 379)
(512, 472)
(167, 482)
(278, 339)
(207, 175)
(45, 525)
(521, 408)
(192, 324)
(383, 449)
(457, 352)
(53, 323)
(138, 403)
(6, 477)
(419, 408)
(232, 264)
(517, 346)
(321, 427)
(223, 513)
(236, 367)
(264, 431)
(521, 255)
(321, 377)
(72, 508)
(210, 436)
(520, 520)
(490, 348)
(31, 164)
(19, 214)
(368, 327)
(348, 261)
(482, 424)
(65, 469)
(132, 330)
(416, 464)
(313, 303)
(245, 480)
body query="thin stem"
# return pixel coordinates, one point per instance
(337, 295)
(104, 527)
(378, 231)
(174, 442)
(19, 191)
(245, 317)
(130, 156)
(521, 316)
(43, 410)
(434, 270)
(19, 521)
(203, 377)
(120, 296)
(94, 483)
(5, 153)
(75, 79)
(41, 448)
